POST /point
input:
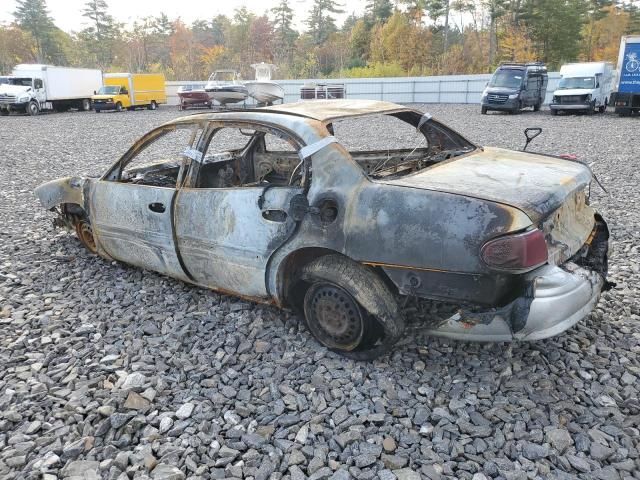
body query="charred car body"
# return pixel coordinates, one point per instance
(270, 205)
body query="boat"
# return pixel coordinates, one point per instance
(263, 89)
(224, 87)
(193, 95)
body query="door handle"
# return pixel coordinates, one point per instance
(157, 207)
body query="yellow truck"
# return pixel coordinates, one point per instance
(130, 91)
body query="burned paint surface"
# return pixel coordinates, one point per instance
(424, 230)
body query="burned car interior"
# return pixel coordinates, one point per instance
(249, 155)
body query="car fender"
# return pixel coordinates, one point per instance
(63, 190)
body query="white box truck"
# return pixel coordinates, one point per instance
(626, 93)
(32, 88)
(583, 87)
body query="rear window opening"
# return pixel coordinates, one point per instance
(394, 145)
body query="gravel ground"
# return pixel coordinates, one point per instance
(113, 372)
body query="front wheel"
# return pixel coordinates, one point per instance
(118, 107)
(33, 108)
(349, 309)
(153, 105)
(85, 235)
(536, 107)
(483, 110)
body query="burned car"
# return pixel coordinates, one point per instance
(272, 205)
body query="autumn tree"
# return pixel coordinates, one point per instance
(100, 35)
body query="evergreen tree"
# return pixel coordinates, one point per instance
(320, 22)
(285, 35)
(100, 35)
(32, 17)
(379, 11)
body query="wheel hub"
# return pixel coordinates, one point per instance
(335, 317)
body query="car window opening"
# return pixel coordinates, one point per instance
(428, 142)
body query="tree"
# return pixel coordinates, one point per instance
(32, 17)
(437, 10)
(320, 22)
(16, 46)
(100, 36)
(284, 34)
(596, 10)
(378, 11)
(495, 10)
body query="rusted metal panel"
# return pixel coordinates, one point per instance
(62, 190)
(535, 184)
(127, 230)
(225, 237)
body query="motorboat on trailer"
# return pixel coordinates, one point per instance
(264, 90)
(192, 95)
(224, 87)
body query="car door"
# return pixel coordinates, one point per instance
(234, 214)
(132, 206)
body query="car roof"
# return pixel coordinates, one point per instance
(325, 110)
(320, 110)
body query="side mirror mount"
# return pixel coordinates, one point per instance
(531, 133)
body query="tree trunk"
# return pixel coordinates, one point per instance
(446, 26)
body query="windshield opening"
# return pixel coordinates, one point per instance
(577, 82)
(223, 76)
(109, 90)
(403, 143)
(507, 79)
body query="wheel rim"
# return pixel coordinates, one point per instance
(85, 234)
(333, 316)
(33, 108)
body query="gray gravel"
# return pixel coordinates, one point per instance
(113, 372)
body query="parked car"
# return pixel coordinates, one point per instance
(130, 91)
(271, 205)
(515, 86)
(626, 95)
(583, 87)
(32, 88)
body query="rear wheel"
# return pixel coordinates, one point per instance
(153, 105)
(33, 108)
(349, 309)
(85, 235)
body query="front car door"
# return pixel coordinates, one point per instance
(132, 206)
(233, 212)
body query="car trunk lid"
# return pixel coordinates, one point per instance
(535, 184)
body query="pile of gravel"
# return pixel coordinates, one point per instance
(113, 372)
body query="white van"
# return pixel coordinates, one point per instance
(583, 87)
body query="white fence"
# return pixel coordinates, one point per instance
(442, 89)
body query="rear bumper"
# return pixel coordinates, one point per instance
(555, 299)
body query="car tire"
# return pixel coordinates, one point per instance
(98, 110)
(483, 110)
(516, 110)
(153, 105)
(118, 107)
(86, 105)
(84, 232)
(33, 108)
(536, 107)
(4, 113)
(554, 112)
(349, 309)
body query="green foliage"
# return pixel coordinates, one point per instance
(390, 38)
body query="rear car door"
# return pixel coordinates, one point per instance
(234, 213)
(132, 206)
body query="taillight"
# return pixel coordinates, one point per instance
(519, 252)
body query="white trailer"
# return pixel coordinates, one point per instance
(626, 94)
(583, 87)
(35, 87)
